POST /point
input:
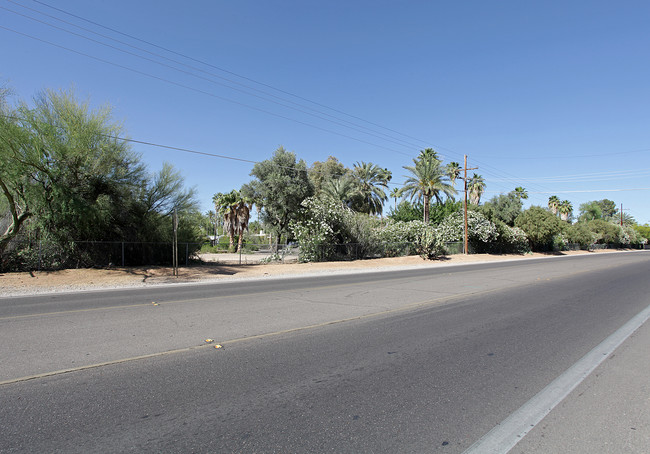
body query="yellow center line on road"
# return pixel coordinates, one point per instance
(417, 305)
(408, 307)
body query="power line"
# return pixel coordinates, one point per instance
(162, 79)
(486, 166)
(332, 119)
(568, 156)
(250, 161)
(494, 171)
(222, 69)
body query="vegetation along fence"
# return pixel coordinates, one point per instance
(30, 255)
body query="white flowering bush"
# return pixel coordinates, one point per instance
(328, 230)
(402, 238)
(511, 240)
(516, 239)
(316, 232)
(630, 237)
(480, 230)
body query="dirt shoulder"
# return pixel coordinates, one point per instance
(86, 279)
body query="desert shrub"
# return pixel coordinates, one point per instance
(510, 240)
(579, 234)
(540, 226)
(604, 232)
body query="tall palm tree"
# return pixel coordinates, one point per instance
(475, 188)
(554, 204)
(370, 179)
(565, 209)
(236, 222)
(521, 193)
(236, 214)
(428, 180)
(453, 171)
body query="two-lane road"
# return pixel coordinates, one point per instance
(408, 361)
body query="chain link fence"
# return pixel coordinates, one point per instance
(37, 255)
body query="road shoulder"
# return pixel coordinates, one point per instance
(608, 412)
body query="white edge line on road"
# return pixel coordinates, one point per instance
(511, 430)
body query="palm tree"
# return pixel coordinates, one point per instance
(395, 193)
(235, 221)
(453, 171)
(428, 180)
(428, 153)
(475, 188)
(236, 214)
(565, 210)
(370, 179)
(341, 189)
(554, 204)
(521, 193)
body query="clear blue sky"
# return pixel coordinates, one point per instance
(553, 96)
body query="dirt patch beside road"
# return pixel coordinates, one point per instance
(83, 279)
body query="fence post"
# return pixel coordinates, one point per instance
(39, 255)
(187, 254)
(123, 254)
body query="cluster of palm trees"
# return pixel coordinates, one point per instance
(363, 189)
(431, 180)
(235, 210)
(563, 208)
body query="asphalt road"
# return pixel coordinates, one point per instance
(409, 361)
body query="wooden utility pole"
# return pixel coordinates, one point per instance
(465, 169)
(175, 244)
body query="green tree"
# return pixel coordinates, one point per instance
(395, 194)
(453, 171)
(608, 208)
(579, 233)
(428, 180)
(407, 211)
(475, 188)
(540, 226)
(521, 193)
(503, 207)
(565, 209)
(342, 190)
(554, 204)
(604, 232)
(322, 172)
(68, 179)
(281, 183)
(643, 230)
(590, 211)
(235, 211)
(370, 181)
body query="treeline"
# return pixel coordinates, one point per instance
(332, 211)
(67, 180)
